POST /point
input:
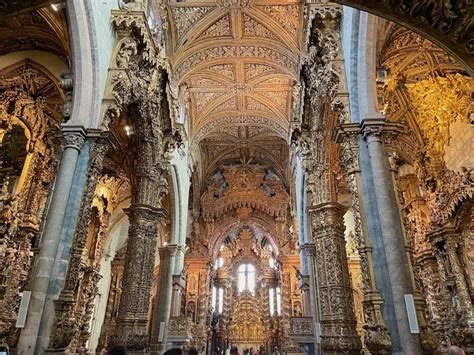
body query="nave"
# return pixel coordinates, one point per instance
(250, 174)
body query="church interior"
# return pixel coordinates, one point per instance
(266, 174)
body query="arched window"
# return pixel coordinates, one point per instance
(274, 298)
(219, 262)
(246, 278)
(217, 299)
(214, 297)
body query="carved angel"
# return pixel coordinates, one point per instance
(127, 50)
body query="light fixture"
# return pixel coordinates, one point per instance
(128, 130)
(58, 6)
(165, 244)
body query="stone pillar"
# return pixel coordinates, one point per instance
(337, 318)
(163, 298)
(376, 335)
(309, 290)
(74, 138)
(179, 284)
(392, 234)
(65, 321)
(132, 318)
(312, 307)
(306, 296)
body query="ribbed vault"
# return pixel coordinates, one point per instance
(237, 63)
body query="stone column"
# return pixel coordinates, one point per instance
(392, 234)
(338, 321)
(62, 329)
(306, 296)
(163, 298)
(74, 138)
(312, 307)
(132, 318)
(179, 284)
(376, 335)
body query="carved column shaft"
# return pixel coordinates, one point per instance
(179, 282)
(311, 308)
(132, 319)
(428, 340)
(337, 318)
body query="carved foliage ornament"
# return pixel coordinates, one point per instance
(31, 100)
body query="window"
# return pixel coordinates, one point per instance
(274, 296)
(214, 297)
(278, 293)
(219, 262)
(220, 305)
(246, 278)
(271, 262)
(271, 298)
(217, 299)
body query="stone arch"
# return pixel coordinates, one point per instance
(85, 69)
(226, 225)
(447, 25)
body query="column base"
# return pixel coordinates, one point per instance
(132, 334)
(340, 339)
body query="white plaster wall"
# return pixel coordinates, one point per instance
(105, 39)
(458, 152)
(349, 223)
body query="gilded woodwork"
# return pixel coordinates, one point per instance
(375, 334)
(246, 326)
(421, 78)
(43, 29)
(30, 99)
(75, 303)
(237, 64)
(448, 23)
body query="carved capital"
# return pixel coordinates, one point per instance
(372, 129)
(309, 249)
(168, 251)
(346, 135)
(74, 137)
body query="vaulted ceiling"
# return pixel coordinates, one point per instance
(238, 61)
(44, 29)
